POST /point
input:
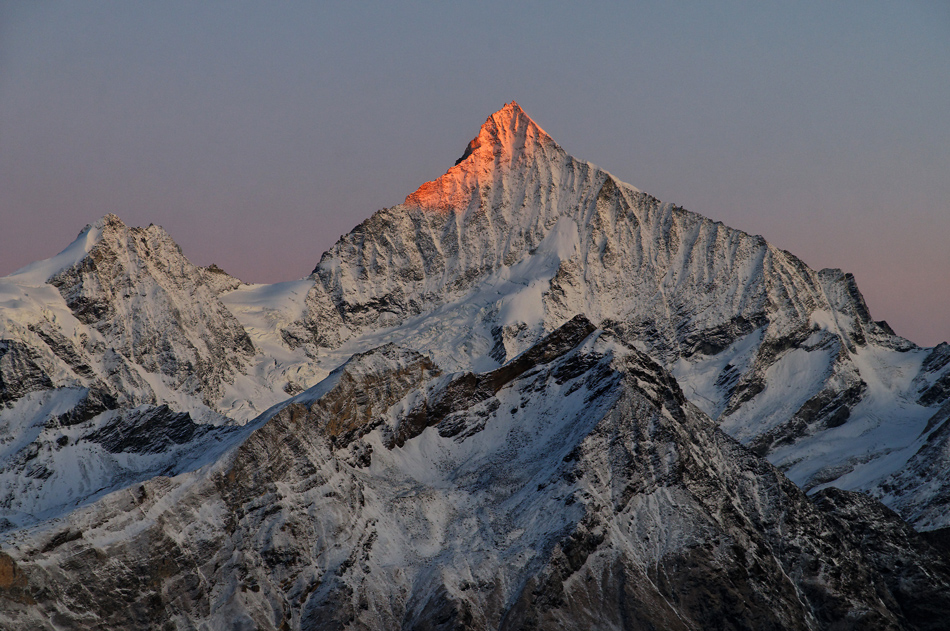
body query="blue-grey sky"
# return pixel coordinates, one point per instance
(256, 133)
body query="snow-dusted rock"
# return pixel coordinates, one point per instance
(153, 307)
(111, 331)
(574, 487)
(219, 280)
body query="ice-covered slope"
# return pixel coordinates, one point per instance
(920, 489)
(572, 488)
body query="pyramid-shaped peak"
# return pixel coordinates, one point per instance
(511, 116)
(510, 128)
(507, 141)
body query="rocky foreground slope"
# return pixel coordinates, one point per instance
(531, 395)
(575, 487)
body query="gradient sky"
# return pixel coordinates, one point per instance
(257, 133)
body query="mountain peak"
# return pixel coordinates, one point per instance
(40, 271)
(509, 138)
(109, 220)
(508, 125)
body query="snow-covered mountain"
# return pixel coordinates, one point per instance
(506, 402)
(518, 237)
(116, 336)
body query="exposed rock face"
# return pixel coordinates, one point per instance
(578, 489)
(219, 280)
(152, 430)
(20, 373)
(153, 307)
(934, 391)
(914, 569)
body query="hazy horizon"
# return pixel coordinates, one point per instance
(257, 136)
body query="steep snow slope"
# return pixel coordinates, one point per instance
(574, 487)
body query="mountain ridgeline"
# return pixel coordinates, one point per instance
(530, 396)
